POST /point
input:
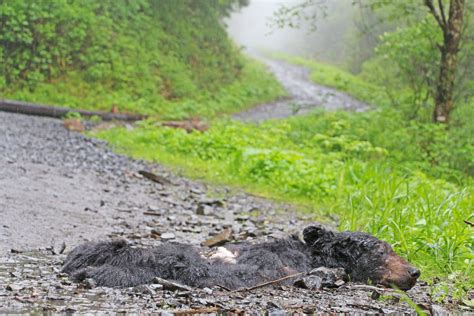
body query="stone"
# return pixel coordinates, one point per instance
(167, 236)
(144, 289)
(310, 282)
(89, 283)
(219, 239)
(438, 310)
(329, 276)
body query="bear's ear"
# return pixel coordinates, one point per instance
(314, 232)
(118, 244)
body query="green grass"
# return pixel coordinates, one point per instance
(254, 85)
(335, 165)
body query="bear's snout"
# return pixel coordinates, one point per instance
(399, 273)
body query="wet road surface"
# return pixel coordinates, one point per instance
(303, 95)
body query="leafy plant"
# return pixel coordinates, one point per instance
(141, 56)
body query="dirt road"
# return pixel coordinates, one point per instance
(303, 95)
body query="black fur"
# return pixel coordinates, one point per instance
(364, 258)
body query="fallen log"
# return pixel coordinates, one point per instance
(59, 112)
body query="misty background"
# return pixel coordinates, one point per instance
(341, 36)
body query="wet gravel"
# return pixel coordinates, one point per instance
(303, 95)
(59, 188)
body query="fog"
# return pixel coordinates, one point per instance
(252, 28)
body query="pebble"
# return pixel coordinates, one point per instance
(207, 290)
(168, 236)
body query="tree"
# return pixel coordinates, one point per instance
(449, 16)
(451, 27)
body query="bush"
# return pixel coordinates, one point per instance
(165, 57)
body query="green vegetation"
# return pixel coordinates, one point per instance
(450, 151)
(141, 56)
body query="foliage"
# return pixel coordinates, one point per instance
(407, 61)
(448, 154)
(426, 48)
(367, 170)
(413, 50)
(147, 56)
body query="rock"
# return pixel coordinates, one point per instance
(156, 287)
(375, 295)
(203, 209)
(438, 310)
(339, 283)
(310, 282)
(13, 287)
(274, 305)
(167, 236)
(173, 286)
(15, 274)
(207, 290)
(155, 208)
(144, 289)
(242, 218)
(196, 191)
(89, 283)
(277, 312)
(219, 239)
(206, 206)
(330, 276)
(155, 234)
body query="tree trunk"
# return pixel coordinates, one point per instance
(449, 59)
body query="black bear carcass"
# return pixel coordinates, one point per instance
(364, 258)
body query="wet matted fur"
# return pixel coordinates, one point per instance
(363, 257)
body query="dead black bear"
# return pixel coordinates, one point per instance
(363, 257)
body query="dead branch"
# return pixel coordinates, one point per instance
(224, 288)
(154, 177)
(269, 282)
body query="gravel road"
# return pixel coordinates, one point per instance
(303, 95)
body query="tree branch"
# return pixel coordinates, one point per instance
(430, 5)
(443, 13)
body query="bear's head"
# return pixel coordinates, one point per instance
(364, 257)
